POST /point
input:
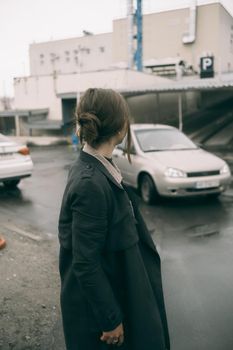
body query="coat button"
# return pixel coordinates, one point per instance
(88, 166)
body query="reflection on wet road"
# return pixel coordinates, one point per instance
(195, 239)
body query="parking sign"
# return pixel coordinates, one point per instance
(207, 67)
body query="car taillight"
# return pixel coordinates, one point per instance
(24, 151)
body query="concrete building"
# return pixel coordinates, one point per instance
(68, 56)
(6, 103)
(55, 96)
(7, 123)
(183, 34)
(186, 34)
(63, 69)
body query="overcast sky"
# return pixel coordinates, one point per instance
(25, 21)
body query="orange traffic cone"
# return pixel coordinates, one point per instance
(2, 243)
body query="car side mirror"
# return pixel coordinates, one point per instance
(201, 145)
(198, 144)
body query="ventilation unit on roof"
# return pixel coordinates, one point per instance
(190, 37)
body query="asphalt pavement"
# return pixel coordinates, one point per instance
(194, 238)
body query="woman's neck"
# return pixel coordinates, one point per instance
(105, 149)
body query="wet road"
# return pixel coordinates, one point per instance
(194, 238)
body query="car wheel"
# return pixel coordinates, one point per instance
(11, 183)
(147, 189)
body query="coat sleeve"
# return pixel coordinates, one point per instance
(89, 229)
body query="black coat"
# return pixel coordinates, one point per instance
(109, 266)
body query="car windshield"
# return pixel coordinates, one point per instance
(152, 140)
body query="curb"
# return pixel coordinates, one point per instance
(2, 243)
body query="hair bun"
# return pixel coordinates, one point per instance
(87, 117)
(90, 125)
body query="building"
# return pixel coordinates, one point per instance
(183, 34)
(7, 122)
(6, 103)
(173, 44)
(51, 99)
(70, 56)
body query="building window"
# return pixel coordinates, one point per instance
(41, 62)
(67, 59)
(102, 48)
(41, 55)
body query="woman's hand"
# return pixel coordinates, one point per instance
(115, 337)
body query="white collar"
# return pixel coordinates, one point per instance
(112, 168)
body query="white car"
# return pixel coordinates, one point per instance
(165, 162)
(15, 162)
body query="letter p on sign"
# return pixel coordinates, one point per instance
(207, 63)
(207, 67)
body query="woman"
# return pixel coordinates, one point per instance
(111, 288)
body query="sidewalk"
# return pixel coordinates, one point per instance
(58, 342)
(30, 317)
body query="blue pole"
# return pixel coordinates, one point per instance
(139, 53)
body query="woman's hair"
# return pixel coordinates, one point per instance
(101, 114)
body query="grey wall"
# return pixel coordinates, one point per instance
(209, 98)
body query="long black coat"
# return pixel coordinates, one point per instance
(109, 266)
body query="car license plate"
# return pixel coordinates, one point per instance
(207, 184)
(5, 156)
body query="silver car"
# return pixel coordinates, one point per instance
(15, 162)
(165, 162)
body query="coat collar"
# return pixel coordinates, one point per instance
(88, 154)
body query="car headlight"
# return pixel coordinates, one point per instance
(172, 172)
(225, 170)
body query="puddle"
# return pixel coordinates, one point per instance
(203, 230)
